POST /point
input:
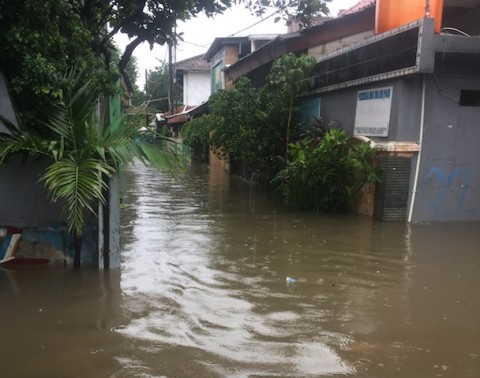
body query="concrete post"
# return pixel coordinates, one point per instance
(114, 232)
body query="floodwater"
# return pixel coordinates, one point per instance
(203, 292)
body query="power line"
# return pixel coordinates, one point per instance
(255, 24)
(205, 46)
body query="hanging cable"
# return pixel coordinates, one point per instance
(255, 24)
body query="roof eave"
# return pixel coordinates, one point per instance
(219, 42)
(327, 31)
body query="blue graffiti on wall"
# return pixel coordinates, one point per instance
(448, 189)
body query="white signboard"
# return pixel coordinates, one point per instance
(372, 117)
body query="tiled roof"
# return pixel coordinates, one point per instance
(195, 63)
(357, 7)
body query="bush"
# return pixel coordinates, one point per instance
(195, 134)
(326, 175)
(248, 129)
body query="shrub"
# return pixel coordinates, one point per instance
(195, 134)
(326, 175)
(246, 128)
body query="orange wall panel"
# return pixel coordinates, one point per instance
(391, 14)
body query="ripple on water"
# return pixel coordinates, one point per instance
(204, 285)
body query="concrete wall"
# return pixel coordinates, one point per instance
(24, 203)
(23, 200)
(449, 175)
(340, 106)
(196, 87)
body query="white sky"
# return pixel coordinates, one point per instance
(200, 32)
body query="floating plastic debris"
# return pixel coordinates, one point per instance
(290, 280)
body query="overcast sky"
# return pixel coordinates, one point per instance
(200, 32)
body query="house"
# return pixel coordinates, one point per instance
(226, 51)
(193, 75)
(328, 36)
(410, 85)
(204, 74)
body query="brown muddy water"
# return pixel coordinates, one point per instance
(203, 292)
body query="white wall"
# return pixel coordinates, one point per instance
(196, 87)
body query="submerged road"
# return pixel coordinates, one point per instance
(217, 281)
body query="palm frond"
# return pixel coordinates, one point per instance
(164, 158)
(84, 153)
(21, 141)
(79, 184)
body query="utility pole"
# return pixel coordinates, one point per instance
(146, 96)
(172, 59)
(170, 77)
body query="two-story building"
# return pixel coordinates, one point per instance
(406, 80)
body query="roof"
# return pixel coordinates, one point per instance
(218, 43)
(329, 30)
(195, 63)
(187, 114)
(357, 7)
(247, 44)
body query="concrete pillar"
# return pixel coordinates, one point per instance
(110, 238)
(114, 232)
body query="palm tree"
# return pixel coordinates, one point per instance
(83, 154)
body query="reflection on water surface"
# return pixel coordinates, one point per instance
(203, 293)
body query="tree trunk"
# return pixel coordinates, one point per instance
(287, 136)
(127, 54)
(77, 245)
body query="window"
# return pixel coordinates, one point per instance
(217, 77)
(469, 97)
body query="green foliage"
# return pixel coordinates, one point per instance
(237, 110)
(41, 39)
(196, 135)
(254, 126)
(155, 93)
(83, 154)
(154, 21)
(157, 87)
(131, 71)
(244, 121)
(289, 76)
(326, 176)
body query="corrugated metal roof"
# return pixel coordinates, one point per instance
(357, 7)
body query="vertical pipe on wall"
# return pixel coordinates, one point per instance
(419, 156)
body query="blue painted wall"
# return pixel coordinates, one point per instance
(449, 174)
(449, 177)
